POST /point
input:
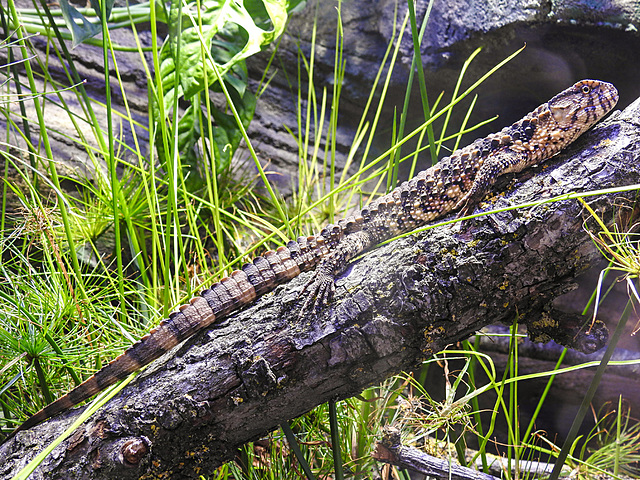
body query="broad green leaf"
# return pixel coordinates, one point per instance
(220, 33)
(80, 27)
(228, 34)
(226, 134)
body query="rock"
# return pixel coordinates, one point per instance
(566, 41)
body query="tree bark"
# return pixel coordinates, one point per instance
(400, 303)
(390, 450)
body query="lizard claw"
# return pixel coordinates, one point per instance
(466, 205)
(319, 291)
(466, 209)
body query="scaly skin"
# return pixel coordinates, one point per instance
(457, 182)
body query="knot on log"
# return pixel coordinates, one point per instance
(134, 450)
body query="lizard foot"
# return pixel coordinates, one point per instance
(465, 209)
(466, 205)
(319, 291)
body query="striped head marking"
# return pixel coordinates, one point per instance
(579, 107)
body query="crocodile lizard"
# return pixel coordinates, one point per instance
(457, 182)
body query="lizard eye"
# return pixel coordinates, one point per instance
(586, 89)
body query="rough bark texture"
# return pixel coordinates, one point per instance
(390, 450)
(191, 409)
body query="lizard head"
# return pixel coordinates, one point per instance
(579, 107)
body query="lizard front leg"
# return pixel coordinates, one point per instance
(503, 161)
(320, 288)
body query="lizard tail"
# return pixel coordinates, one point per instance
(230, 294)
(169, 333)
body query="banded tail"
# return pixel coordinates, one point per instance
(230, 294)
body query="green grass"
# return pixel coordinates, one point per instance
(182, 217)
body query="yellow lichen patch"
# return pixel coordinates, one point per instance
(545, 321)
(437, 331)
(195, 453)
(540, 338)
(503, 286)
(491, 198)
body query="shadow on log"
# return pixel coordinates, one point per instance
(190, 410)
